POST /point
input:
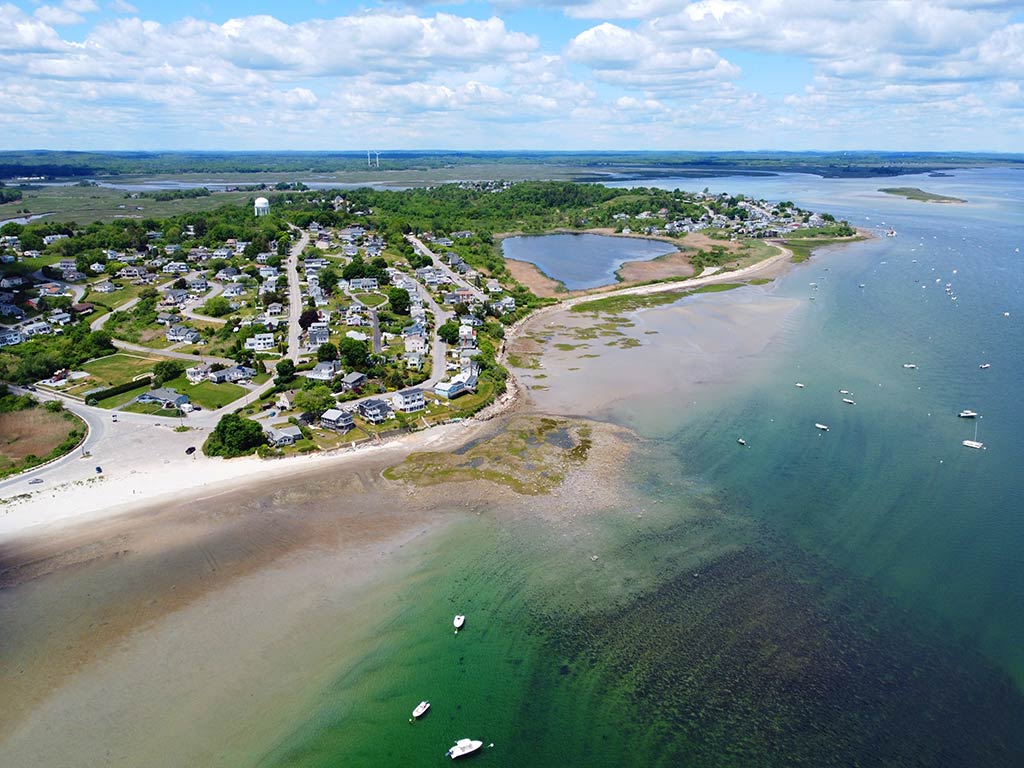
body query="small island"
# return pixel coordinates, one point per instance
(913, 193)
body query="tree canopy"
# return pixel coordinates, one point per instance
(234, 435)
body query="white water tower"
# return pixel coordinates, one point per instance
(262, 206)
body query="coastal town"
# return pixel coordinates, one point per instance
(325, 335)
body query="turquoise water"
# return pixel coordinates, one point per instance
(582, 260)
(853, 597)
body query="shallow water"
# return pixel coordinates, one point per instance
(582, 260)
(841, 598)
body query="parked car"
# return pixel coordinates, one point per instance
(35, 481)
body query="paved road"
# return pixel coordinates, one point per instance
(215, 290)
(375, 331)
(295, 294)
(455, 277)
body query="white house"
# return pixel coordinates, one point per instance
(409, 400)
(261, 342)
(337, 419)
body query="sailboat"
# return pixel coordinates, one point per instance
(974, 443)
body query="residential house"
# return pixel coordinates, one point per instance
(374, 411)
(105, 287)
(198, 373)
(98, 267)
(65, 265)
(493, 286)
(319, 334)
(168, 398)
(280, 437)
(9, 338)
(132, 273)
(337, 419)
(11, 281)
(38, 328)
(467, 337)
(324, 371)
(82, 308)
(410, 400)
(60, 318)
(51, 239)
(261, 342)
(232, 374)
(175, 297)
(414, 361)
(233, 291)
(11, 310)
(198, 285)
(353, 381)
(362, 284)
(275, 308)
(286, 400)
(458, 385)
(416, 344)
(167, 318)
(227, 274)
(268, 273)
(183, 333)
(505, 304)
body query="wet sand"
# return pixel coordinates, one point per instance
(587, 365)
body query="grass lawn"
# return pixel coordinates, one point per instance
(153, 409)
(370, 299)
(118, 368)
(207, 394)
(116, 401)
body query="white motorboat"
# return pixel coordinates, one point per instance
(464, 747)
(985, 366)
(741, 441)
(421, 709)
(845, 392)
(458, 621)
(967, 414)
(822, 427)
(974, 443)
(909, 365)
(848, 401)
(799, 385)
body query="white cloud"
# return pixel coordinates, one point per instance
(58, 16)
(122, 6)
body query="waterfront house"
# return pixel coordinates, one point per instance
(337, 419)
(374, 411)
(410, 400)
(198, 373)
(280, 437)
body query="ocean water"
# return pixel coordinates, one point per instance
(582, 260)
(854, 597)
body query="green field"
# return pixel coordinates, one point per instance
(116, 401)
(208, 395)
(87, 204)
(370, 299)
(118, 368)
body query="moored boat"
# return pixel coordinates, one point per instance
(985, 366)
(848, 401)
(822, 427)
(909, 365)
(421, 709)
(458, 621)
(967, 414)
(741, 441)
(799, 385)
(464, 747)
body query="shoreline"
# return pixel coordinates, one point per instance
(148, 484)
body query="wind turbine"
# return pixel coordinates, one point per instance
(378, 158)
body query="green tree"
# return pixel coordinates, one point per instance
(285, 372)
(326, 353)
(449, 332)
(399, 300)
(354, 353)
(166, 370)
(180, 283)
(218, 306)
(234, 435)
(316, 399)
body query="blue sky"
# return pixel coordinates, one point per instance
(513, 74)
